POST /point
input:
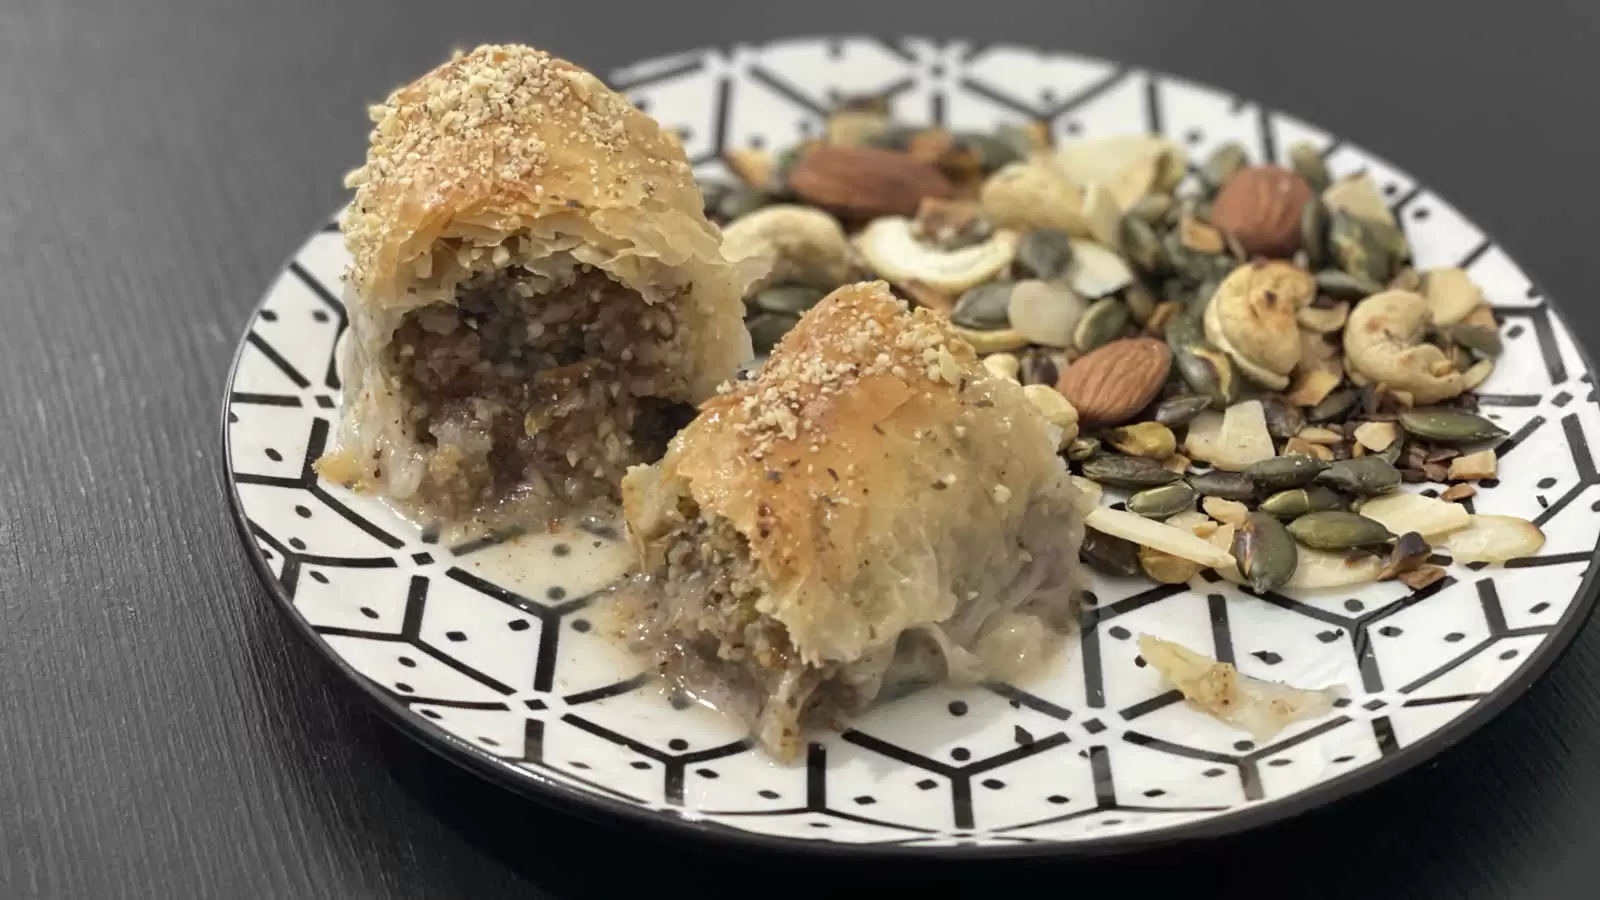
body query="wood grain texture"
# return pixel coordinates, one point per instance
(163, 733)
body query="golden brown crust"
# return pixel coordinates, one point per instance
(498, 140)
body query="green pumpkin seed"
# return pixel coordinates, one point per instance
(1102, 323)
(1177, 290)
(1449, 426)
(1134, 472)
(1314, 233)
(1266, 553)
(1083, 448)
(1297, 502)
(1141, 246)
(1391, 453)
(993, 151)
(1223, 163)
(1109, 554)
(1140, 302)
(1307, 162)
(1357, 248)
(767, 328)
(1365, 475)
(1153, 208)
(1284, 419)
(1282, 472)
(1225, 485)
(788, 298)
(1180, 410)
(1344, 286)
(1207, 371)
(985, 307)
(1044, 253)
(1334, 406)
(1480, 339)
(1161, 502)
(1337, 530)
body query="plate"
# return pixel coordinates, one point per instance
(485, 651)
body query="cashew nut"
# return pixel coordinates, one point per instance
(1383, 341)
(801, 245)
(1025, 195)
(1251, 318)
(895, 255)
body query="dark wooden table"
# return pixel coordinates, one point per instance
(163, 732)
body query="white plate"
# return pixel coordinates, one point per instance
(484, 652)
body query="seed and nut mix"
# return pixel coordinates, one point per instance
(1248, 362)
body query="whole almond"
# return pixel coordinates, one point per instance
(1113, 383)
(1261, 207)
(866, 182)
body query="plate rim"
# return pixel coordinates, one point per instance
(612, 813)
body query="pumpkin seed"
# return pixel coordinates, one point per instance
(1391, 453)
(1314, 233)
(1223, 163)
(1357, 248)
(1179, 410)
(1225, 485)
(1307, 162)
(1266, 552)
(1449, 426)
(1297, 502)
(985, 307)
(1365, 475)
(1207, 371)
(1161, 502)
(1151, 440)
(1477, 338)
(1141, 246)
(992, 151)
(1109, 554)
(1344, 286)
(1334, 406)
(1102, 323)
(1282, 472)
(1083, 448)
(1284, 419)
(767, 328)
(1153, 208)
(1336, 529)
(1039, 367)
(1140, 302)
(788, 298)
(1134, 472)
(1044, 253)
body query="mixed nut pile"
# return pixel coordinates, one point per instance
(1247, 353)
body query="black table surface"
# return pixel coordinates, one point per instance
(163, 731)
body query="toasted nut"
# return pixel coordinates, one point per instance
(1056, 409)
(1303, 447)
(1230, 512)
(1376, 436)
(1426, 516)
(799, 244)
(1166, 568)
(1002, 365)
(1473, 466)
(1026, 195)
(1383, 341)
(1495, 539)
(895, 254)
(1457, 492)
(1324, 437)
(1451, 295)
(1252, 319)
(1148, 439)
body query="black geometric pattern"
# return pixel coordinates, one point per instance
(496, 642)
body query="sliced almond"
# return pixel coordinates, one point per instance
(1300, 445)
(1427, 516)
(1473, 466)
(1166, 568)
(1451, 295)
(1193, 521)
(1158, 535)
(1458, 492)
(1495, 539)
(1314, 434)
(1262, 708)
(1243, 438)
(1201, 440)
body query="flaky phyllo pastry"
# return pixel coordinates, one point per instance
(874, 510)
(535, 297)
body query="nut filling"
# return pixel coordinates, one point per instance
(537, 401)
